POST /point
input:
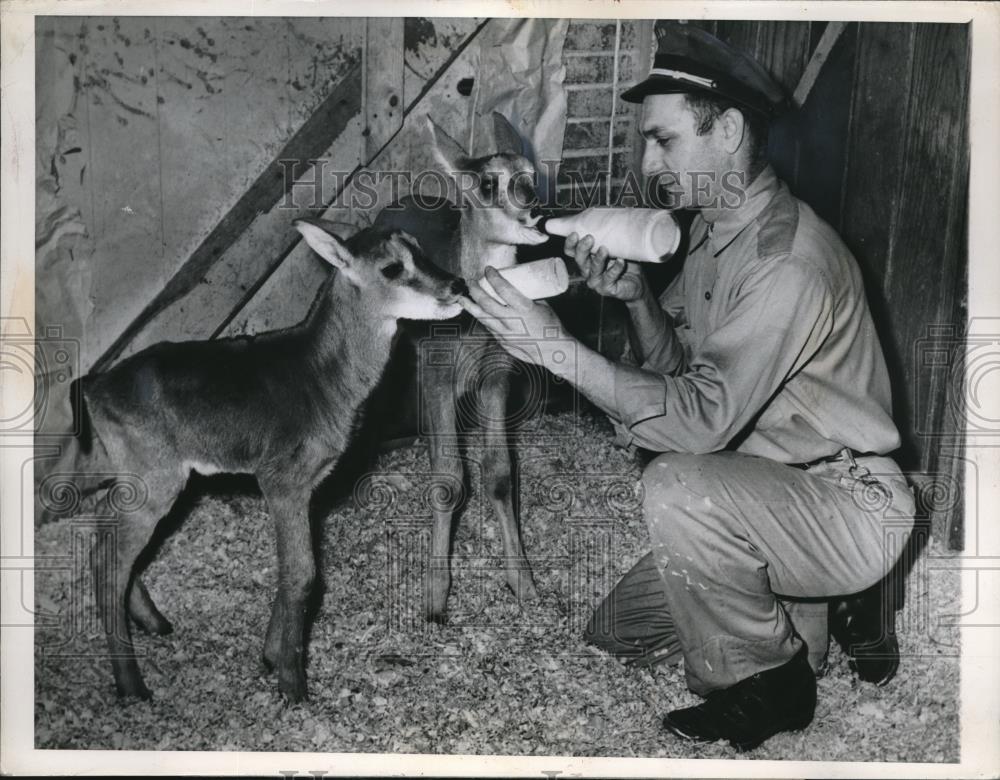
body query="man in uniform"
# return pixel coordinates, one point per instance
(759, 377)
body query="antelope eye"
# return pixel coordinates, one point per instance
(393, 270)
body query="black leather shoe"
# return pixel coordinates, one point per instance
(752, 710)
(864, 625)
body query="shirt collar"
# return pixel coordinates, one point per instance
(732, 222)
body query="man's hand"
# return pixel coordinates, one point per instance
(531, 331)
(528, 330)
(611, 277)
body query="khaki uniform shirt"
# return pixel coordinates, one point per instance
(772, 350)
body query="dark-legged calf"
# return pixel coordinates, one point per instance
(279, 405)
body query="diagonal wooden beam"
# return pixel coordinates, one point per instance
(819, 57)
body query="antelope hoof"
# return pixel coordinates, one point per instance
(294, 690)
(436, 596)
(270, 657)
(522, 585)
(439, 617)
(134, 690)
(159, 626)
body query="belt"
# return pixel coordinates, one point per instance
(846, 455)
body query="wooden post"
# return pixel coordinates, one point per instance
(645, 40)
(382, 98)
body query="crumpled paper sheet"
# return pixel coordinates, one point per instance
(521, 74)
(58, 226)
(62, 245)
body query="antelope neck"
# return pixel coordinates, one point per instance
(347, 330)
(477, 253)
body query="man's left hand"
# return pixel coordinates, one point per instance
(527, 329)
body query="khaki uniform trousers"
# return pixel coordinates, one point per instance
(745, 553)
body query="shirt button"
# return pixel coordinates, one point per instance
(708, 295)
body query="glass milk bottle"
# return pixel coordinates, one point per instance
(646, 235)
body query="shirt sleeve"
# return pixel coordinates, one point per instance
(779, 316)
(667, 354)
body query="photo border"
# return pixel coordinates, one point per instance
(980, 666)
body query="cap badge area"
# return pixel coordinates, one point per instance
(682, 76)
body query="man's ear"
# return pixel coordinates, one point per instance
(330, 247)
(448, 153)
(733, 126)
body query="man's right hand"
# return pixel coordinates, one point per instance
(611, 277)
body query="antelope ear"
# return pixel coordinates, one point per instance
(342, 230)
(507, 139)
(448, 152)
(411, 238)
(317, 233)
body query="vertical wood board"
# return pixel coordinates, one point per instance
(383, 99)
(928, 209)
(822, 127)
(871, 182)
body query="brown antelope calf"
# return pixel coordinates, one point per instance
(497, 198)
(279, 405)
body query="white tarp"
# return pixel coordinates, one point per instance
(521, 75)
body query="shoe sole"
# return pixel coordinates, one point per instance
(741, 747)
(693, 738)
(880, 681)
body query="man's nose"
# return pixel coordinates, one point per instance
(651, 166)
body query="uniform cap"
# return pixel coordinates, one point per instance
(689, 59)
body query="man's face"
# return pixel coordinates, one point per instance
(688, 167)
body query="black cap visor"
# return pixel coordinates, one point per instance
(737, 81)
(665, 85)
